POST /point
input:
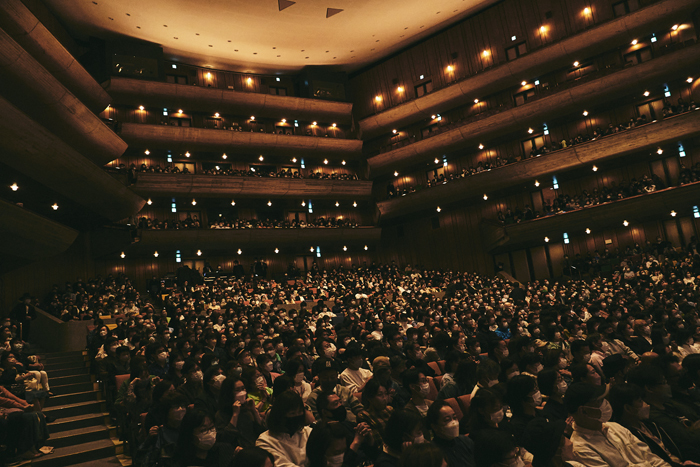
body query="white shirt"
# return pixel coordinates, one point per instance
(614, 446)
(355, 379)
(304, 390)
(288, 451)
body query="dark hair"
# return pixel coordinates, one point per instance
(432, 417)
(483, 399)
(621, 395)
(320, 440)
(519, 387)
(492, 446)
(645, 375)
(411, 376)
(400, 423)
(252, 457)
(579, 372)
(167, 402)
(285, 402)
(421, 455)
(546, 379)
(185, 446)
(691, 364)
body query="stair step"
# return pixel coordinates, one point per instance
(84, 452)
(66, 358)
(80, 370)
(61, 364)
(78, 421)
(79, 408)
(69, 353)
(72, 379)
(115, 461)
(63, 389)
(75, 397)
(81, 436)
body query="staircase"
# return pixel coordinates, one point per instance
(83, 434)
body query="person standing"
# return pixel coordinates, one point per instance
(24, 312)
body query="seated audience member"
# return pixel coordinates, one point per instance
(354, 377)
(524, 398)
(458, 450)
(494, 448)
(287, 432)
(549, 444)
(596, 440)
(375, 414)
(197, 444)
(417, 383)
(237, 421)
(485, 413)
(402, 429)
(295, 369)
(487, 375)
(327, 372)
(328, 445)
(422, 455)
(552, 384)
(253, 457)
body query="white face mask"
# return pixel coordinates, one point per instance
(241, 396)
(497, 417)
(605, 412)
(271, 353)
(451, 430)
(218, 379)
(492, 382)
(268, 366)
(198, 376)
(562, 387)
(420, 439)
(260, 382)
(563, 363)
(587, 357)
(335, 461)
(206, 440)
(330, 352)
(537, 397)
(179, 365)
(424, 389)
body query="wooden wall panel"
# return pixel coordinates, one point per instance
(520, 263)
(539, 262)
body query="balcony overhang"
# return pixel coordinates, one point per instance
(533, 114)
(203, 99)
(210, 186)
(620, 31)
(524, 172)
(636, 210)
(201, 139)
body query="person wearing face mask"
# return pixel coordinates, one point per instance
(159, 446)
(549, 445)
(328, 446)
(415, 359)
(270, 350)
(612, 345)
(597, 441)
(192, 387)
(630, 411)
(327, 373)
(494, 448)
(418, 384)
(524, 397)
(354, 376)
(237, 420)
(499, 351)
(208, 400)
(442, 421)
(295, 369)
(552, 384)
(486, 412)
(657, 393)
(265, 366)
(257, 388)
(197, 444)
(403, 429)
(157, 356)
(287, 433)
(487, 375)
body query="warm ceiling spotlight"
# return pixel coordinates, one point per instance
(294, 159)
(400, 89)
(523, 83)
(450, 68)
(586, 11)
(345, 248)
(224, 156)
(635, 42)
(588, 231)
(277, 250)
(14, 187)
(194, 202)
(530, 130)
(250, 80)
(187, 154)
(485, 53)
(199, 252)
(366, 248)
(673, 213)
(239, 251)
(394, 131)
(476, 101)
(216, 114)
(261, 158)
(543, 29)
(675, 27)
(303, 203)
(54, 206)
(141, 107)
(689, 80)
(311, 249)
(179, 111)
(659, 151)
(149, 202)
(252, 117)
(576, 63)
(269, 203)
(438, 209)
(585, 113)
(396, 174)
(481, 146)
(334, 125)
(646, 93)
(233, 203)
(595, 168)
(284, 120)
(337, 204)
(208, 75)
(354, 204)
(437, 161)
(314, 123)
(378, 98)
(537, 183)
(325, 161)
(343, 162)
(546, 239)
(146, 152)
(486, 197)
(156, 254)
(122, 256)
(625, 223)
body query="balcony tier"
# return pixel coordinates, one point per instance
(210, 186)
(200, 139)
(535, 113)
(637, 139)
(33, 150)
(636, 210)
(615, 33)
(197, 98)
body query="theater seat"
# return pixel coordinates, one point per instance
(119, 380)
(438, 382)
(358, 396)
(274, 375)
(433, 389)
(465, 401)
(435, 368)
(441, 364)
(455, 406)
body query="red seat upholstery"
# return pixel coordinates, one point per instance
(455, 406)
(441, 364)
(433, 389)
(435, 368)
(438, 382)
(465, 402)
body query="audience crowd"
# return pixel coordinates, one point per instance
(251, 172)
(397, 367)
(192, 222)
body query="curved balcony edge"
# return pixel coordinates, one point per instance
(211, 186)
(189, 138)
(523, 172)
(614, 33)
(532, 114)
(635, 210)
(41, 155)
(197, 98)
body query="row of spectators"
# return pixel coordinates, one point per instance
(192, 222)
(252, 172)
(598, 133)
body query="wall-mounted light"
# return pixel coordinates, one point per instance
(543, 29)
(530, 130)
(122, 256)
(481, 146)
(646, 93)
(546, 239)
(14, 187)
(216, 114)
(147, 152)
(394, 131)
(485, 197)
(294, 159)
(659, 151)
(269, 203)
(437, 161)
(194, 202)
(277, 250)
(224, 156)
(149, 202)
(199, 252)
(345, 248)
(334, 125)
(450, 68)
(284, 120)
(625, 223)
(400, 89)
(635, 42)
(325, 161)
(586, 11)
(585, 113)
(261, 158)
(233, 203)
(674, 27)
(588, 231)
(378, 98)
(337, 204)
(311, 249)
(476, 101)
(537, 183)
(343, 162)
(179, 111)
(239, 251)
(141, 107)
(249, 80)
(54, 206)
(354, 204)
(314, 123)
(396, 174)
(156, 254)
(366, 248)
(187, 154)
(673, 213)
(252, 117)
(689, 80)
(303, 203)
(595, 168)
(438, 209)
(523, 83)
(576, 64)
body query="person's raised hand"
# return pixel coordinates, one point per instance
(154, 430)
(237, 407)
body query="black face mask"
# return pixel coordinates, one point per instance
(294, 424)
(339, 414)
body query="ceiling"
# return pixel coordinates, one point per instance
(266, 36)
